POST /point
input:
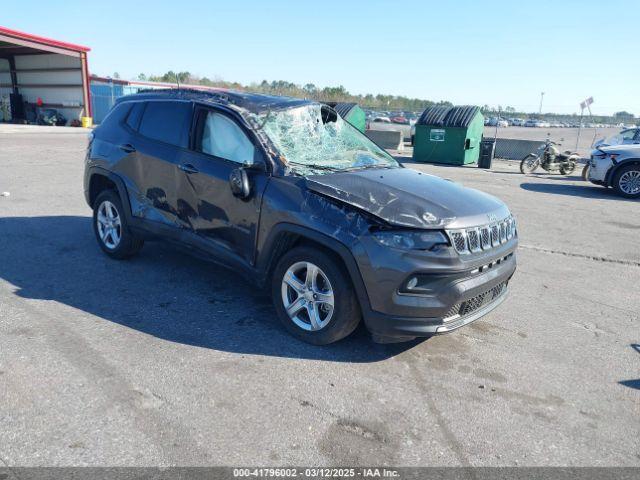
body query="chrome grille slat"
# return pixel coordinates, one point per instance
(486, 237)
(503, 232)
(495, 235)
(474, 240)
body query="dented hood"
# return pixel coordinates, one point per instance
(408, 198)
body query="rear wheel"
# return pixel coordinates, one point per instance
(627, 181)
(111, 229)
(313, 296)
(585, 172)
(529, 163)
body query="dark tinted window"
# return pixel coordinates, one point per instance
(133, 120)
(166, 121)
(116, 114)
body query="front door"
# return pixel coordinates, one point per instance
(204, 197)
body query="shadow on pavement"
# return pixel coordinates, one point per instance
(161, 292)
(633, 383)
(586, 191)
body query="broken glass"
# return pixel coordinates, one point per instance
(314, 139)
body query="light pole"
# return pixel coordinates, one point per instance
(541, 97)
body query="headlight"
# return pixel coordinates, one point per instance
(411, 240)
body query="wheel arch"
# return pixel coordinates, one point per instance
(612, 171)
(284, 236)
(100, 180)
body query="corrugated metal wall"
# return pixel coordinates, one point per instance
(58, 84)
(5, 79)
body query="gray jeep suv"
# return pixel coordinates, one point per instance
(290, 195)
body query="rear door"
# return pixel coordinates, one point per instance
(160, 133)
(220, 144)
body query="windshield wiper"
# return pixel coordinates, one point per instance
(365, 167)
(315, 166)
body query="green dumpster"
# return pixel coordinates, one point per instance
(449, 135)
(351, 113)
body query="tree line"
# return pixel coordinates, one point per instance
(370, 101)
(309, 90)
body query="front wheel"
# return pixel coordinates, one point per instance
(585, 172)
(529, 163)
(314, 297)
(627, 181)
(568, 168)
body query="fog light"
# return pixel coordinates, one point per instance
(411, 284)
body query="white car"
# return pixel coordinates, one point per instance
(618, 167)
(625, 137)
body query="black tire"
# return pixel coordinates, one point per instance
(529, 164)
(585, 172)
(129, 243)
(620, 174)
(568, 170)
(346, 310)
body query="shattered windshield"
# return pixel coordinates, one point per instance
(313, 139)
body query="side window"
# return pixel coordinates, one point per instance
(166, 121)
(133, 120)
(628, 134)
(222, 137)
(116, 114)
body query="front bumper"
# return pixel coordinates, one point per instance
(598, 169)
(456, 291)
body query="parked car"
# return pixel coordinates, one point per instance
(495, 121)
(285, 192)
(381, 120)
(616, 166)
(625, 137)
(400, 119)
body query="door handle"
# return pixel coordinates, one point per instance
(188, 168)
(127, 147)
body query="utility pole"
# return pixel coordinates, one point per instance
(541, 97)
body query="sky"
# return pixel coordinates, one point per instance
(468, 52)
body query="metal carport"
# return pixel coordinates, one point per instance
(40, 73)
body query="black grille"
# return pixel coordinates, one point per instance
(481, 300)
(495, 235)
(459, 242)
(453, 311)
(503, 232)
(474, 240)
(486, 238)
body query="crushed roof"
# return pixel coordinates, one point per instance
(253, 102)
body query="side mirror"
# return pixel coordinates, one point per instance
(239, 183)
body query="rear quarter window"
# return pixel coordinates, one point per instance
(116, 115)
(166, 122)
(135, 115)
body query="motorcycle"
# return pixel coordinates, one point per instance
(550, 159)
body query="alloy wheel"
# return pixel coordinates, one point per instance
(630, 182)
(109, 225)
(307, 296)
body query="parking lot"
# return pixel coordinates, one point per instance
(568, 138)
(167, 360)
